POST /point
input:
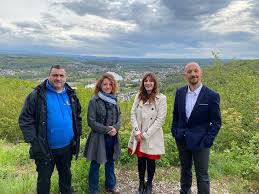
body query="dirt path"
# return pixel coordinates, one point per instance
(165, 182)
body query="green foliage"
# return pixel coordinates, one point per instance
(239, 161)
(12, 95)
(84, 96)
(235, 151)
(80, 171)
(231, 130)
(171, 156)
(17, 174)
(246, 155)
(125, 157)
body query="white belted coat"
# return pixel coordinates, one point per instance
(148, 118)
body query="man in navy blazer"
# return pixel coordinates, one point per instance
(196, 122)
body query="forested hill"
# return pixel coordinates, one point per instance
(235, 152)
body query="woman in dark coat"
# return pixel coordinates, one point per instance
(103, 145)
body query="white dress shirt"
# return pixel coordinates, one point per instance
(191, 98)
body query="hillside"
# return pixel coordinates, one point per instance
(235, 154)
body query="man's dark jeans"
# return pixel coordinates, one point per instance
(201, 162)
(62, 160)
(110, 178)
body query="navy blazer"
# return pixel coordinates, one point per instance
(200, 130)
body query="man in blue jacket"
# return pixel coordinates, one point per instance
(196, 122)
(50, 121)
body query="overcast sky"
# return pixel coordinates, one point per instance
(132, 28)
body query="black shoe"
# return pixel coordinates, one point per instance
(141, 188)
(148, 189)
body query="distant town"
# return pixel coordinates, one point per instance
(84, 71)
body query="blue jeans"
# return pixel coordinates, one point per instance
(110, 179)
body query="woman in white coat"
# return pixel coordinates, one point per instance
(147, 117)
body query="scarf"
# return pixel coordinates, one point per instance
(109, 99)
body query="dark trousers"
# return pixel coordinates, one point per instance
(143, 164)
(62, 160)
(110, 178)
(201, 162)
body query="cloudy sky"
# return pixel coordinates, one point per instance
(132, 28)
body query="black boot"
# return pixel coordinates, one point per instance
(148, 189)
(141, 188)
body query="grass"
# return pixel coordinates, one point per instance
(18, 174)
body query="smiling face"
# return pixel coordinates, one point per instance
(149, 85)
(106, 86)
(57, 79)
(193, 74)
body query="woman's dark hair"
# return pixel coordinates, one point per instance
(143, 95)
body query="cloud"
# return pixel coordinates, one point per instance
(122, 10)
(190, 10)
(4, 30)
(147, 28)
(234, 18)
(31, 29)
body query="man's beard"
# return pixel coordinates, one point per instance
(194, 82)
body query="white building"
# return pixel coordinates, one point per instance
(116, 76)
(91, 85)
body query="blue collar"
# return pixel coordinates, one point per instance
(50, 87)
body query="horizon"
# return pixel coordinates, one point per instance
(66, 55)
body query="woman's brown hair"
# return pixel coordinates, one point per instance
(143, 95)
(98, 86)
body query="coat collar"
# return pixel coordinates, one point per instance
(196, 91)
(157, 97)
(182, 96)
